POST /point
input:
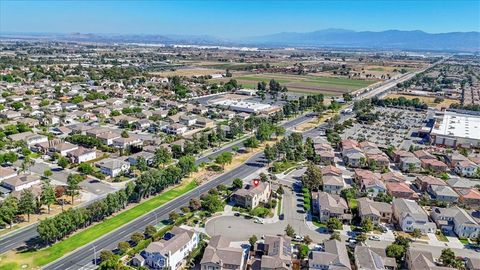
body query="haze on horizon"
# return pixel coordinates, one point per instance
(235, 19)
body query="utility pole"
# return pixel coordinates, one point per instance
(94, 255)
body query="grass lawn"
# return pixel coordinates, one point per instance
(281, 166)
(50, 254)
(319, 224)
(352, 203)
(279, 206)
(441, 237)
(464, 241)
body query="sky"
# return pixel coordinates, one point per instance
(234, 19)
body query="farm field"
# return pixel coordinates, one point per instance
(309, 84)
(188, 72)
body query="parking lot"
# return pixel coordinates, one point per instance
(394, 127)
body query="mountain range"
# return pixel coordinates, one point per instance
(331, 38)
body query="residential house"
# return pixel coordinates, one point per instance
(424, 181)
(434, 165)
(63, 148)
(21, 182)
(188, 120)
(142, 124)
(377, 212)
(393, 177)
(466, 168)
(370, 258)
(29, 137)
(7, 172)
(443, 193)
(171, 251)
(469, 196)
(332, 205)
(354, 157)
(113, 167)
(333, 184)
(147, 156)
(370, 182)
(251, 196)
(421, 259)
(124, 143)
(176, 129)
(219, 255)
(460, 183)
(204, 122)
(423, 155)
(409, 164)
(335, 257)
(276, 253)
(409, 216)
(472, 263)
(456, 219)
(108, 137)
(400, 190)
(82, 155)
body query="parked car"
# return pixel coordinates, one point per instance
(298, 238)
(237, 214)
(258, 221)
(374, 238)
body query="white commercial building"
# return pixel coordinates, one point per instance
(243, 106)
(456, 129)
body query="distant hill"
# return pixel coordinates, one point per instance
(332, 38)
(391, 39)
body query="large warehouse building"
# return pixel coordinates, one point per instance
(456, 129)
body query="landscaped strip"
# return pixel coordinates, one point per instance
(52, 253)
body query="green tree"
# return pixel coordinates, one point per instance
(187, 164)
(124, 134)
(252, 240)
(212, 203)
(106, 255)
(224, 158)
(136, 238)
(395, 251)
(361, 238)
(150, 230)
(48, 194)
(289, 230)
(173, 216)
(63, 162)
(312, 179)
(123, 247)
(334, 224)
(335, 236)
(9, 209)
(162, 156)
(73, 185)
(303, 252)
(237, 183)
(47, 173)
(367, 224)
(416, 233)
(448, 257)
(27, 204)
(251, 142)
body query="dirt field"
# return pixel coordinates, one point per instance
(188, 72)
(428, 100)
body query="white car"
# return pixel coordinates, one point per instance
(298, 238)
(374, 238)
(258, 221)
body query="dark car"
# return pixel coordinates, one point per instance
(237, 214)
(281, 217)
